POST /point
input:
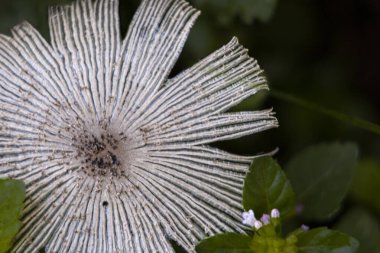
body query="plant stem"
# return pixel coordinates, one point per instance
(357, 122)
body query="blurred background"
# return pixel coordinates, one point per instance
(321, 51)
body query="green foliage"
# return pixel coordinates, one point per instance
(225, 243)
(247, 10)
(364, 226)
(366, 184)
(11, 203)
(323, 240)
(268, 239)
(266, 187)
(321, 177)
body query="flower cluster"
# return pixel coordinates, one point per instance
(249, 218)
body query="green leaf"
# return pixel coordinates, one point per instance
(323, 240)
(11, 203)
(225, 243)
(321, 176)
(266, 187)
(366, 184)
(363, 226)
(268, 240)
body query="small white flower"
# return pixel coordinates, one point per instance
(113, 152)
(257, 224)
(248, 218)
(265, 219)
(305, 227)
(275, 213)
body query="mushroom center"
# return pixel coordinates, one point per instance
(102, 158)
(99, 155)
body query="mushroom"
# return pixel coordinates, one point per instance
(113, 152)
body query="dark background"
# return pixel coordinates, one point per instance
(322, 51)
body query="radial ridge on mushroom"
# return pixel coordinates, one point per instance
(113, 152)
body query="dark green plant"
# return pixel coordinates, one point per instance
(321, 176)
(12, 195)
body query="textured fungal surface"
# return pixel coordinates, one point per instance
(114, 153)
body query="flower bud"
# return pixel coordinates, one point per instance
(265, 219)
(257, 224)
(249, 218)
(275, 213)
